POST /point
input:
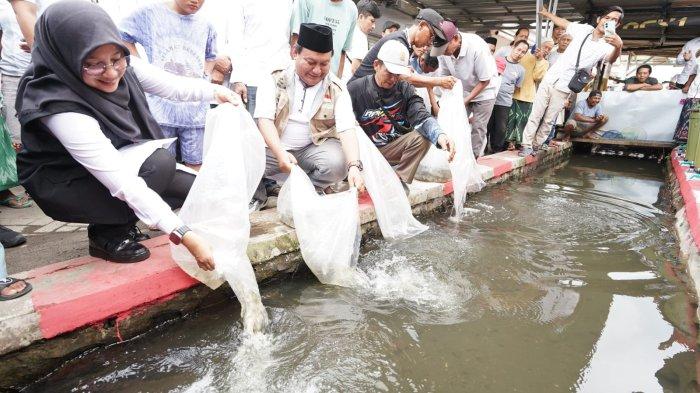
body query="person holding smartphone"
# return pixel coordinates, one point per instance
(594, 44)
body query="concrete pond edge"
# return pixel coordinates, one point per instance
(85, 303)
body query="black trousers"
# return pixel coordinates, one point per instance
(497, 128)
(86, 200)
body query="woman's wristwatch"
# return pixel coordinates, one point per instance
(177, 235)
(357, 164)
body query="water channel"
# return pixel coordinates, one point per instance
(565, 281)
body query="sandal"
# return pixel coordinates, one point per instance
(16, 201)
(9, 281)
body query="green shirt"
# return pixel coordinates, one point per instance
(340, 16)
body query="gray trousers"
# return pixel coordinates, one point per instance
(324, 163)
(481, 113)
(9, 93)
(548, 103)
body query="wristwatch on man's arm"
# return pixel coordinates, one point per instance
(356, 163)
(177, 235)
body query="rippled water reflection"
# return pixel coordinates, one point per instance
(564, 282)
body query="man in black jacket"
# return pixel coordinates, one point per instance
(393, 115)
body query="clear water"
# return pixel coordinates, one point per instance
(566, 281)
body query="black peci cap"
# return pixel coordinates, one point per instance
(315, 37)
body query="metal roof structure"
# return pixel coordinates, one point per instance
(657, 27)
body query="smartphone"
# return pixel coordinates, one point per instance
(609, 28)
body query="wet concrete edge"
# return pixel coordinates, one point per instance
(86, 302)
(683, 192)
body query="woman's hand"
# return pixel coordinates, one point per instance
(224, 95)
(200, 250)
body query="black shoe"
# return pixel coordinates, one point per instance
(121, 250)
(271, 187)
(10, 238)
(136, 235)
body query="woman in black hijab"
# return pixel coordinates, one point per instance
(81, 99)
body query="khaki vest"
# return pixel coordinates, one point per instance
(322, 123)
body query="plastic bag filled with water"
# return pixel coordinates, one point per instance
(217, 207)
(327, 227)
(463, 170)
(391, 206)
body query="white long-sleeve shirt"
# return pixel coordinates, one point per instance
(688, 66)
(84, 140)
(254, 34)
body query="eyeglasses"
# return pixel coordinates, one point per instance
(100, 68)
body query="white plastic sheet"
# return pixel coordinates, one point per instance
(463, 170)
(642, 115)
(327, 227)
(391, 206)
(217, 207)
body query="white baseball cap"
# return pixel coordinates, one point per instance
(395, 57)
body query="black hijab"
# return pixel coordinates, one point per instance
(65, 34)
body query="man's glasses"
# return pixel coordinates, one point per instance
(100, 68)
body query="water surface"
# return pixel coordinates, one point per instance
(565, 281)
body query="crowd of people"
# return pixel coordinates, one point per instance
(78, 88)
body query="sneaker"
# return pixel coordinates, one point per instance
(544, 147)
(526, 151)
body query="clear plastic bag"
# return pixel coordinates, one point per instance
(217, 207)
(327, 227)
(463, 170)
(392, 208)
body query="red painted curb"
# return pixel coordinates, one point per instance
(499, 166)
(687, 187)
(64, 302)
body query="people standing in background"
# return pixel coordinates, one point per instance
(13, 63)
(535, 67)
(642, 80)
(492, 42)
(181, 42)
(429, 29)
(557, 32)
(692, 89)
(254, 38)
(554, 92)
(389, 27)
(523, 33)
(686, 58)
(367, 13)
(339, 15)
(558, 50)
(426, 65)
(511, 78)
(473, 64)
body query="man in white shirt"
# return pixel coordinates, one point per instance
(686, 58)
(305, 116)
(367, 13)
(254, 41)
(554, 90)
(559, 49)
(471, 62)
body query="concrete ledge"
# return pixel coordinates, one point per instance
(685, 190)
(88, 302)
